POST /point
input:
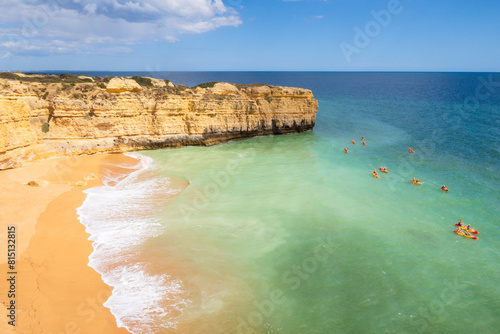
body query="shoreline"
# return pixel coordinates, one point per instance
(56, 290)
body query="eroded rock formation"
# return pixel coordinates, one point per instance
(39, 120)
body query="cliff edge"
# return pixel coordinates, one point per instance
(43, 116)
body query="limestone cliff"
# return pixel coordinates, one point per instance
(47, 116)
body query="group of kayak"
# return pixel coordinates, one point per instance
(465, 231)
(462, 229)
(353, 142)
(382, 169)
(416, 181)
(385, 170)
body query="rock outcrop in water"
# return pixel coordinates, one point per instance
(47, 116)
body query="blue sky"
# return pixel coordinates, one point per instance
(250, 35)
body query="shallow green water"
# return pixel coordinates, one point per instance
(299, 219)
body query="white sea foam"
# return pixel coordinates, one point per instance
(144, 303)
(119, 219)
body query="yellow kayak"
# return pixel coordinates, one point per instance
(463, 234)
(471, 230)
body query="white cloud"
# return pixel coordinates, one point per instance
(171, 39)
(87, 25)
(204, 26)
(90, 8)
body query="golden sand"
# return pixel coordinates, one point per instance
(56, 290)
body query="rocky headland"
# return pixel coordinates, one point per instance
(43, 116)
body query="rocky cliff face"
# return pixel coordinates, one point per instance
(39, 120)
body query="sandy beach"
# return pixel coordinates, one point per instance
(55, 289)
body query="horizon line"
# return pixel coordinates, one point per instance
(256, 71)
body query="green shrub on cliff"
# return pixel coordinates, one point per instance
(106, 79)
(207, 84)
(69, 78)
(45, 127)
(9, 75)
(143, 81)
(45, 78)
(42, 79)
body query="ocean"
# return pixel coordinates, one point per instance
(289, 234)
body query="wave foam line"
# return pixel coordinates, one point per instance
(119, 219)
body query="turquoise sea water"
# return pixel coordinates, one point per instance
(288, 234)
